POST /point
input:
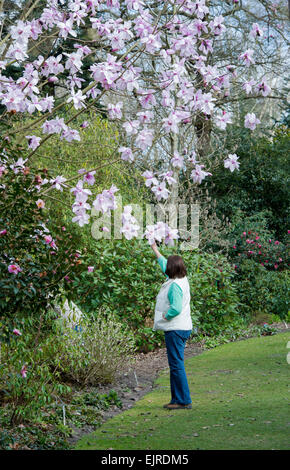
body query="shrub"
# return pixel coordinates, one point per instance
(94, 352)
(262, 292)
(214, 299)
(127, 279)
(35, 255)
(27, 382)
(270, 253)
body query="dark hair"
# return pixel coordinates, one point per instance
(175, 267)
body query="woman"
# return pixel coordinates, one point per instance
(172, 315)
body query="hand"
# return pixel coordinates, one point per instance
(163, 316)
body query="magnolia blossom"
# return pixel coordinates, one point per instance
(115, 110)
(232, 162)
(168, 177)
(177, 160)
(248, 86)
(251, 121)
(129, 227)
(144, 139)
(79, 190)
(247, 57)
(23, 371)
(18, 165)
(106, 201)
(160, 191)
(82, 218)
(77, 98)
(198, 174)
(131, 127)
(150, 178)
(222, 120)
(89, 178)
(256, 31)
(264, 88)
(126, 154)
(33, 141)
(58, 182)
(159, 232)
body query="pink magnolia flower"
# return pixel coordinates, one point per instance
(160, 191)
(144, 139)
(129, 227)
(33, 141)
(251, 121)
(222, 120)
(264, 88)
(58, 182)
(16, 332)
(248, 86)
(170, 124)
(126, 154)
(23, 371)
(177, 160)
(168, 177)
(232, 162)
(247, 57)
(198, 174)
(89, 178)
(256, 31)
(150, 178)
(14, 269)
(115, 110)
(77, 98)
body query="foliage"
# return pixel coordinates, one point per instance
(92, 353)
(214, 299)
(261, 291)
(27, 381)
(126, 278)
(35, 254)
(262, 182)
(270, 253)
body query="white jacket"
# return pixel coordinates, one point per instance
(182, 321)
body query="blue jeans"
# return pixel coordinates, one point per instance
(175, 343)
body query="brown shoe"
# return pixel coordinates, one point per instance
(177, 406)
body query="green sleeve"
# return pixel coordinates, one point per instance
(175, 296)
(162, 263)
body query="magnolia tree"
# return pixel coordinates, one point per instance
(150, 67)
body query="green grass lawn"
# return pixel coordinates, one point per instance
(240, 400)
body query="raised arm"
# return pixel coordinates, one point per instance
(156, 251)
(161, 260)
